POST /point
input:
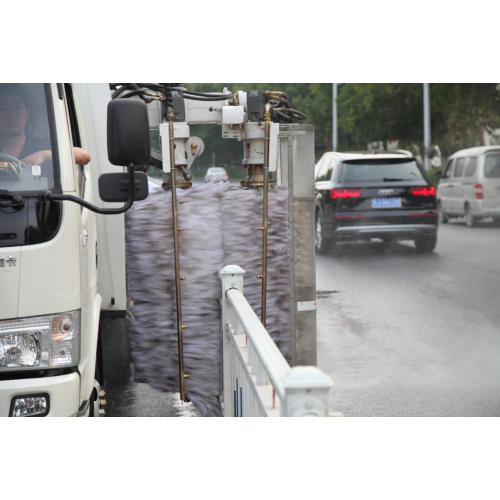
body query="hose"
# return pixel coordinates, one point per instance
(287, 114)
(141, 90)
(280, 107)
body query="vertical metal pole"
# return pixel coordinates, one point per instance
(427, 127)
(265, 194)
(178, 277)
(334, 131)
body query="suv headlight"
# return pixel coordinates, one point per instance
(40, 342)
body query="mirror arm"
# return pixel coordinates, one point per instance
(46, 195)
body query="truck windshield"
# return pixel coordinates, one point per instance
(25, 146)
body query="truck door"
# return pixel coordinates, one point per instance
(88, 248)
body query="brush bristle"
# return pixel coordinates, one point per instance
(219, 226)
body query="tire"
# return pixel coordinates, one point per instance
(443, 218)
(95, 400)
(321, 242)
(426, 244)
(470, 220)
(95, 397)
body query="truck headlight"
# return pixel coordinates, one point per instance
(40, 342)
(30, 406)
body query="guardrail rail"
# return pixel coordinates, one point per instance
(256, 378)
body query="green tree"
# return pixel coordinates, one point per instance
(459, 112)
(462, 112)
(381, 111)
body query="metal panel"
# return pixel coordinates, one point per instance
(297, 172)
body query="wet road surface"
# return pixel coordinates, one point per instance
(141, 400)
(404, 334)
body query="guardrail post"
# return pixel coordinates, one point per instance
(306, 393)
(231, 277)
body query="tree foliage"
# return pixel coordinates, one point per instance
(460, 113)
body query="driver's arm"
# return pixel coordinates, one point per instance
(37, 158)
(82, 157)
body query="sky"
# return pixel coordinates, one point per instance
(385, 41)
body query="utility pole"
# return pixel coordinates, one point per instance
(427, 126)
(334, 129)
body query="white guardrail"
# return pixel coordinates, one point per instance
(257, 379)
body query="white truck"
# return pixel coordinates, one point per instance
(63, 293)
(62, 257)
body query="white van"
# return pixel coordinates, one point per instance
(470, 185)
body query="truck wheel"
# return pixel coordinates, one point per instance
(95, 400)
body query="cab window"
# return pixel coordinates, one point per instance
(26, 162)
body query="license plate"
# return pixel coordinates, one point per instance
(386, 202)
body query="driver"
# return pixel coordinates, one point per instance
(14, 141)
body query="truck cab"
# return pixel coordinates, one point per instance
(62, 264)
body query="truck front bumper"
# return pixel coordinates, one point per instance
(63, 392)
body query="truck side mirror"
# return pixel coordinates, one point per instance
(128, 133)
(115, 187)
(129, 146)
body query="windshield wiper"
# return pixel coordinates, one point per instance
(11, 200)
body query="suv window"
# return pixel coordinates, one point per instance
(381, 170)
(324, 172)
(470, 169)
(492, 166)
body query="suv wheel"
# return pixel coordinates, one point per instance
(321, 241)
(426, 244)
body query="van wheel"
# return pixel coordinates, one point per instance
(443, 218)
(470, 220)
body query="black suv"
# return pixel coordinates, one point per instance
(365, 196)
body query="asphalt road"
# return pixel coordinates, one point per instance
(405, 334)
